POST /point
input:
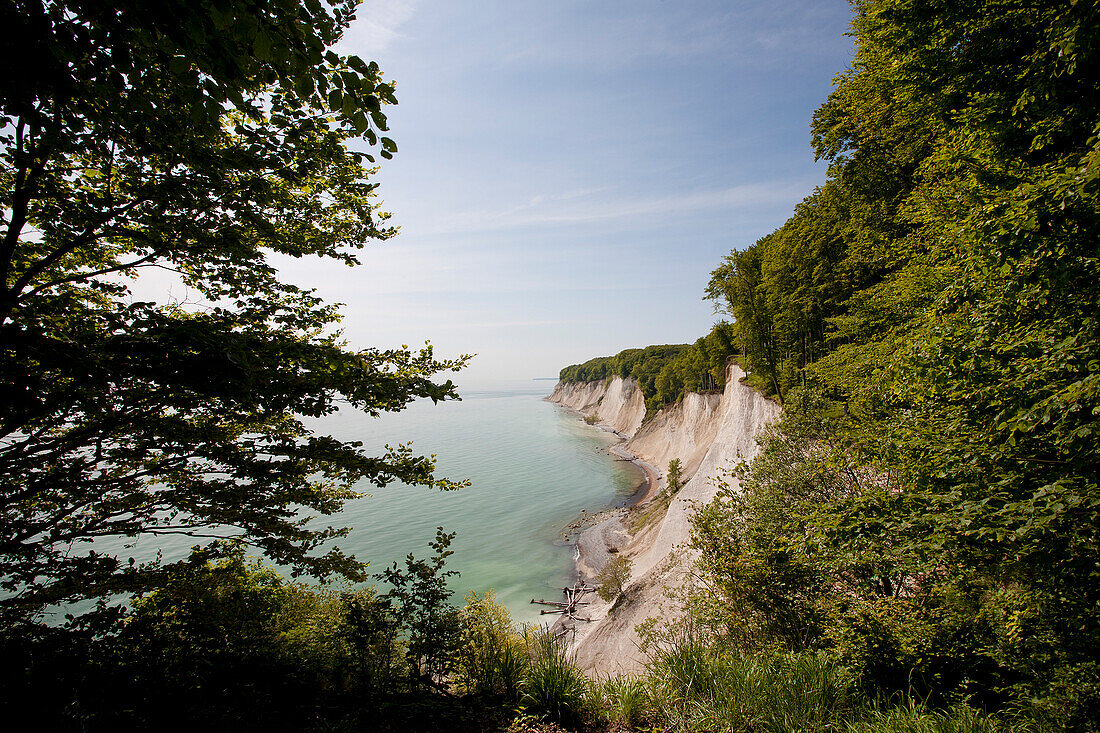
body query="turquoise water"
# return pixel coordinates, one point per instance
(532, 468)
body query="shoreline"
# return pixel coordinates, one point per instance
(649, 483)
(651, 479)
(602, 534)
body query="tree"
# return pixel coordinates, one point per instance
(675, 479)
(200, 137)
(421, 599)
(949, 267)
(613, 577)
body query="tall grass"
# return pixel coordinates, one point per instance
(695, 688)
(911, 716)
(691, 686)
(553, 686)
(622, 700)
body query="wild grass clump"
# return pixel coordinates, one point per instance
(623, 700)
(695, 688)
(911, 716)
(553, 687)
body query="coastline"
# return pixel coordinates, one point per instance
(650, 478)
(651, 481)
(601, 534)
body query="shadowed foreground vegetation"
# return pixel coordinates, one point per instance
(232, 646)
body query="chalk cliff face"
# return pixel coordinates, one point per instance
(709, 434)
(617, 402)
(684, 430)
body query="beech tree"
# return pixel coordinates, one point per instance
(931, 495)
(200, 137)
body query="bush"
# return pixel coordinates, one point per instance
(613, 576)
(421, 599)
(491, 657)
(221, 645)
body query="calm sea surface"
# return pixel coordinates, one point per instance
(532, 468)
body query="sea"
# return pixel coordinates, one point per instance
(533, 467)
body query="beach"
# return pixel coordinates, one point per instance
(598, 536)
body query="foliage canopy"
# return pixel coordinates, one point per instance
(929, 317)
(202, 138)
(665, 372)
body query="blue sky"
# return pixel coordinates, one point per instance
(570, 172)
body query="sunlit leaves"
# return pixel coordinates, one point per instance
(959, 348)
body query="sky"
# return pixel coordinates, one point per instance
(569, 173)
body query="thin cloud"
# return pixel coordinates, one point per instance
(376, 26)
(565, 210)
(497, 324)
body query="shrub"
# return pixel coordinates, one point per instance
(613, 576)
(491, 656)
(420, 596)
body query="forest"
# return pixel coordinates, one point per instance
(916, 547)
(664, 373)
(927, 509)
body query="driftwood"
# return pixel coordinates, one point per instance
(565, 630)
(568, 607)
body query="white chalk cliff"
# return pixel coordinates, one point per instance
(709, 434)
(617, 402)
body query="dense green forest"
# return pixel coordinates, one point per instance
(664, 373)
(916, 547)
(927, 511)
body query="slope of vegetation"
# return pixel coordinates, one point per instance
(926, 513)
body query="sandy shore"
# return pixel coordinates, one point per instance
(599, 536)
(652, 482)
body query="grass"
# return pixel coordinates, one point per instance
(621, 700)
(553, 687)
(696, 689)
(911, 716)
(652, 511)
(691, 686)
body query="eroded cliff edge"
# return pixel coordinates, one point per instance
(708, 433)
(618, 403)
